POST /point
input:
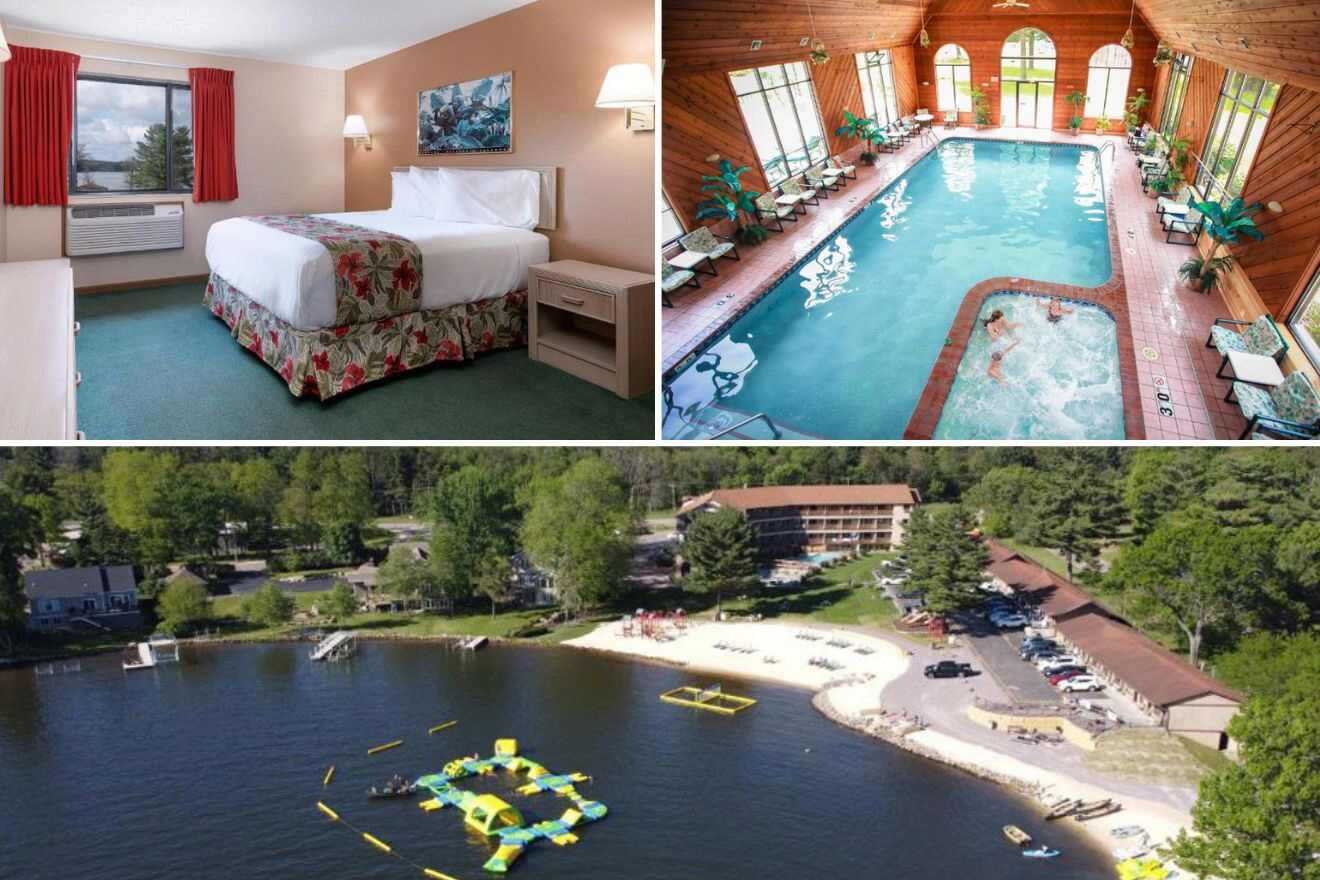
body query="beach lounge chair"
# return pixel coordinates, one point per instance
(1178, 205)
(701, 246)
(845, 172)
(794, 187)
(672, 279)
(1187, 224)
(1293, 406)
(1261, 337)
(771, 211)
(822, 181)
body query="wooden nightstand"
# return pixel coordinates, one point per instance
(595, 322)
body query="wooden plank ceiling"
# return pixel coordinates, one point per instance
(1281, 36)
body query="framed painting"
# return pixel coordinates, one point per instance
(467, 117)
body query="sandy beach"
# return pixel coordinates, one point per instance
(851, 695)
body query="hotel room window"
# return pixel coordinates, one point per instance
(131, 136)
(1179, 70)
(671, 228)
(1305, 320)
(879, 97)
(1239, 124)
(953, 79)
(1107, 84)
(779, 106)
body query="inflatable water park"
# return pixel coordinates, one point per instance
(488, 814)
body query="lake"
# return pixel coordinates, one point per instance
(212, 768)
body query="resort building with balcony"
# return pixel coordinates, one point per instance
(808, 520)
(102, 597)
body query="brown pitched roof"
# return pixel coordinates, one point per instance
(801, 496)
(998, 552)
(1019, 574)
(1156, 673)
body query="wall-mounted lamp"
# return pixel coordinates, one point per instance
(630, 87)
(1275, 207)
(355, 127)
(5, 54)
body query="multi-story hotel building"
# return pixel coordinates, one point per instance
(795, 520)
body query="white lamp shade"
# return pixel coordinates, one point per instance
(627, 85)
(356, 127)
(5, 54)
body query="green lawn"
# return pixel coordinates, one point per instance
(827, 597)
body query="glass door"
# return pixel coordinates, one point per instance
(1026, 105)
(1008, 105)
(1045, 105)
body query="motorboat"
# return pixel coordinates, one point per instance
(1016, 835)
(1040, 852)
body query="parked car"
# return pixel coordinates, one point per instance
(1036, 645)
(1064, 674)
(1081, 683)
(1037, 654)
(949, 669)
(1058, 664)
(1058, 658)
(1013, 621)
(987, 586)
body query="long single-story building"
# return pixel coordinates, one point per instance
(1182, 698)
(796, 520)
(99, 597)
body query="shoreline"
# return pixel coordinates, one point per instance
(853, 701)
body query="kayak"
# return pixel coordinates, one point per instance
(1040, 853)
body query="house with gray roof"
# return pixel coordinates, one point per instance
(102, 597)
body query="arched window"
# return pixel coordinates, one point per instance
(1107, 85)
(953, 79)
(1026, 73)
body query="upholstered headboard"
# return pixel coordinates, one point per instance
(549, 186)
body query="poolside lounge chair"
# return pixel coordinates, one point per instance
(702, 243)
(1178, 205)
(845, 172)
(672, 279)
(767, 209)
(822, 181)
(1261, 337)
(1293, 406)
(1187, 224)
(1137, 139)
(794, 187)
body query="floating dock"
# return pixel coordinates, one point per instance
(336, 646)
(712, 699)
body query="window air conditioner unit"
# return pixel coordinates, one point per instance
(122, 228)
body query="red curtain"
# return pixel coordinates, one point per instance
(215, 172)
(39, 90)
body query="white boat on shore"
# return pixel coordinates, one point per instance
(474, 643)
(151, 653)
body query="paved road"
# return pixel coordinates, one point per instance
(998, 653)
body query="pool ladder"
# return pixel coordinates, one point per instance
(1100, 155)
(668, 398)
(747, 421)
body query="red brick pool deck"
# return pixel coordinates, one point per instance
(1162, 325)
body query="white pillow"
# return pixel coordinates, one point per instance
(405, 197)
(503, 197)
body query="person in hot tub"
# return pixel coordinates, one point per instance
(997, 325)
(1054, 309)
(996, 369)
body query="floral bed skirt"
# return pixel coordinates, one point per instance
(330, 362)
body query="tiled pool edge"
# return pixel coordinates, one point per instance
(1111, 296)
(675, 362)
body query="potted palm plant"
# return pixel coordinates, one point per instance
(862, 129)
(1201, 274)
(1227, 225)
(980, 106)
(1135, 105)
(1077, 99)
(729, 201)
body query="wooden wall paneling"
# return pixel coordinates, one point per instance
(905, 80)
(1198, 110)
(1076, 36)
(700, 117)
(1286, 170)
(1280, 35)
(1157, 93)
(838, 88)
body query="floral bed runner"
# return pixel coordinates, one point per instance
(377, 275)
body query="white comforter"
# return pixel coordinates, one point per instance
(292, 276)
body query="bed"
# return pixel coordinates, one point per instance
(332, 302)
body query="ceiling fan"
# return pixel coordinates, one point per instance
(1012, 4)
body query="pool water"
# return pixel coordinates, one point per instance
(843, 345)
(1060, 380)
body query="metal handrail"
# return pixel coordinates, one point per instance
(747, 421)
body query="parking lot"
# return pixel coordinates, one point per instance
(998, 652)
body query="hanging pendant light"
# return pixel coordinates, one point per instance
(1129, 39)
(818, 53)
(923, 37)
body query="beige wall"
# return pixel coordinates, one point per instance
(559, 51)
(289, 152)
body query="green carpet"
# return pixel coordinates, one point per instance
(157, 365)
